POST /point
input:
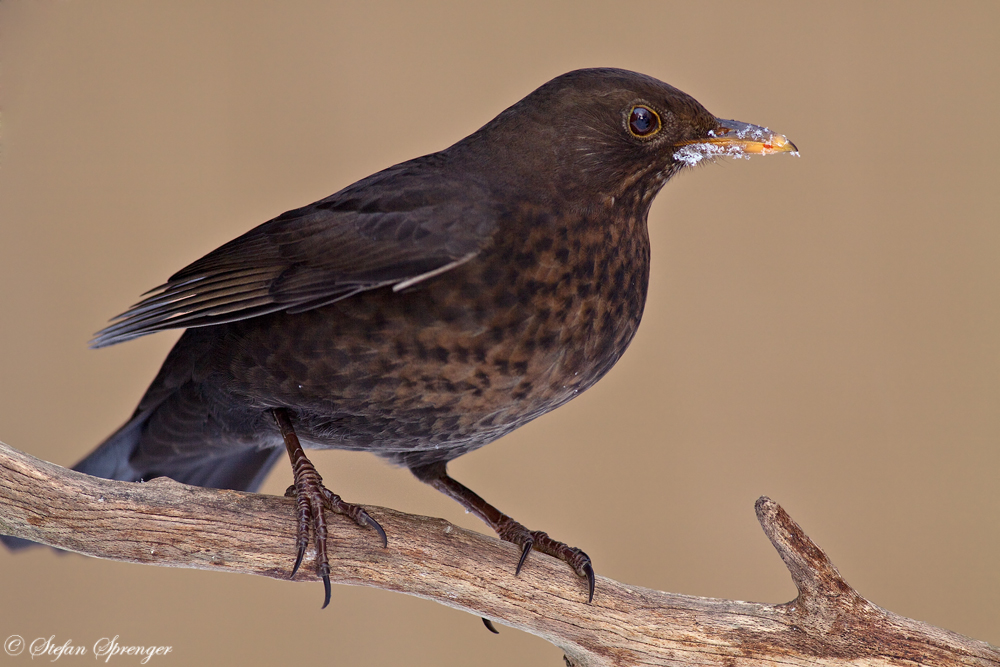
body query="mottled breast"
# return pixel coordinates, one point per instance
(460, 359)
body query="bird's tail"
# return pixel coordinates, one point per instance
(242, 470)
(111, 458)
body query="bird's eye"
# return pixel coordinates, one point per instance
(643, 122)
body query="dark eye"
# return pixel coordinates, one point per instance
(643, 121)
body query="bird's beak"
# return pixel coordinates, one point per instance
(748, 138)
(736, 139)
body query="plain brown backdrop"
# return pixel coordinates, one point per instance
(824, 330)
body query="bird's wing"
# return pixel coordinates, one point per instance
(397, 227)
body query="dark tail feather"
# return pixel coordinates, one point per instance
(243, 470)
(110, 459)
(17, 543)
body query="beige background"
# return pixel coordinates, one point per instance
(824, 330)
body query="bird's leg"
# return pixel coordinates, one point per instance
(312, 497)
(507, 528)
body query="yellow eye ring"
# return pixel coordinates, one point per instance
(643, 122)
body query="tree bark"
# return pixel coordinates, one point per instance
(165, 523)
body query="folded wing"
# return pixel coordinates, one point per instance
(394, 228)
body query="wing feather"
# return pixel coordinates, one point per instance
(398, 227)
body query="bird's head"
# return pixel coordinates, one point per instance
(611, 133)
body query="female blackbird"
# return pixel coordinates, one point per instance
(424, 311)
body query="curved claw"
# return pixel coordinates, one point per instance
(327, 590)
(298, 561)
(489, 626)
(589, 571)
(376, 527)
(525, 550)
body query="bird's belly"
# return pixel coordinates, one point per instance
(449, 365)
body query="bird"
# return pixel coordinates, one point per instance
(424, 311)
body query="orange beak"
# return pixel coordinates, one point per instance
(736, 139)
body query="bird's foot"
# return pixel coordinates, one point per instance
(311, 498)
(510, 530)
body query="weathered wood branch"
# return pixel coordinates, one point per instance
(165, 523)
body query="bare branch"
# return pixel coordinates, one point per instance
(165, 523)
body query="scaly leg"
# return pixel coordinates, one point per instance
(312, 497)
(507, 528)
